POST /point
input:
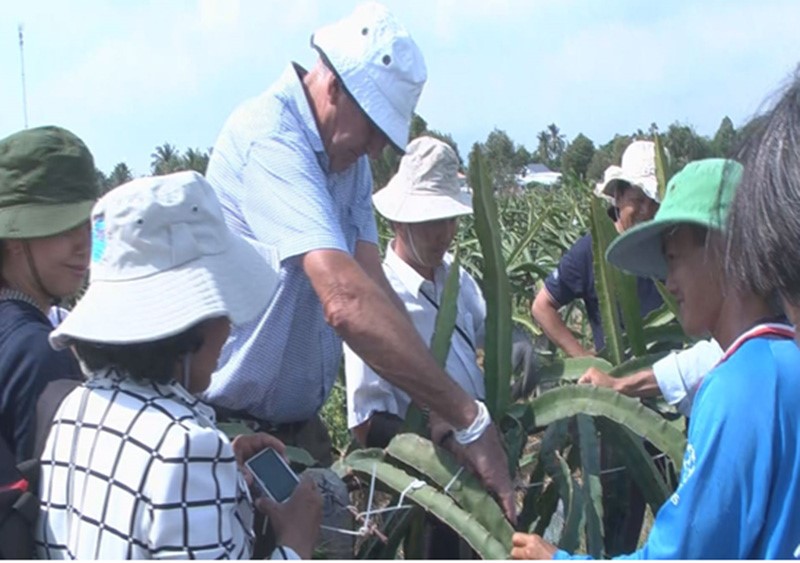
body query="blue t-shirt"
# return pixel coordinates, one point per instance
(27, 365)
(574, 279)
(739, 492)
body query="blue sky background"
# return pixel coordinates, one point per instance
(129, 75)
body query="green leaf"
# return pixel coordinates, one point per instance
(672, 333)
(546, 506)
(437, 503)
(603, 232)
(528, 237)
(636, 364)
(659, 317)
(439, 466)
(441, 339)
(571, 494)
(571, 369)
(663, 172)
(628, 298)
(564, 402)
(555, 438)
(446, 316)
(496, 288)
(637, 461)
(592, 489)
(299, 456)
(233, 429)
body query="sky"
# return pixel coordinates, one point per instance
(127, 76)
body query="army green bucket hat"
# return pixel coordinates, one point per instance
(48, 183)
(700, 194)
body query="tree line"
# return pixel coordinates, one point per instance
(579, 158)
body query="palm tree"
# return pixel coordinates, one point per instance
(166, 160)
(196, 160)
(119, 175)
(556, 144)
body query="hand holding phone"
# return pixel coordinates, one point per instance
(272, 475)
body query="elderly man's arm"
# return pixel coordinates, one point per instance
(545, 312)
(375, 329)
(369, 258)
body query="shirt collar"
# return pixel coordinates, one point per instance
(294, 87)
(408, 276)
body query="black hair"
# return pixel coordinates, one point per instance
(763, 254)
(144, 362)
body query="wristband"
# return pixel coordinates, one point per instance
(475, 430)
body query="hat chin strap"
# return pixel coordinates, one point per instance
(55, 300)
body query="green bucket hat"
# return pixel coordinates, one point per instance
(48, 183)
(700, 194)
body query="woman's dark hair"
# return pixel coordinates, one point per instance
(763, 253)
(147, 361)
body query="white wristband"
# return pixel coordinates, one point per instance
(475, 430)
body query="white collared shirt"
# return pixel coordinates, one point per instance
(367, 392)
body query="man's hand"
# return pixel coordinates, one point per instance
(531, 546)
(487, 459)
(296, 522)
(640, 384)
(594, 376)
(246, 446)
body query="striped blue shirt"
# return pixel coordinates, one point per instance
(270, 171)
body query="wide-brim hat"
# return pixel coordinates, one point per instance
(163, 260)
(379, 65)
(48, 183)
(638, 168)
(426, 186)
(700, 194)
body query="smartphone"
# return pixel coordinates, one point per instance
(272, 475)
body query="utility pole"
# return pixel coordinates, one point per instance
(22, 75)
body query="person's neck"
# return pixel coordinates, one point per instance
(314, 88)
(405, 254)
(41, 300)
(739, 313)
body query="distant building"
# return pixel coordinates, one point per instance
(462, 183)
(536, 173)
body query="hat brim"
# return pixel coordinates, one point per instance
(418, 208)
(368, 97)
(36, 221)
(647, 184)
(238, 283)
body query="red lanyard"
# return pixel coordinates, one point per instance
(777, 330)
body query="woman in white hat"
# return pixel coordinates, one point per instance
(134, 466)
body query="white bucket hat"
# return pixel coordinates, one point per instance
(163, 260)
(613, 172)
(379, 65)
(426, 186)
(638, 169)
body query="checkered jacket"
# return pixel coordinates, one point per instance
(139, 471)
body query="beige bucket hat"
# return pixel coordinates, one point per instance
(426, 186)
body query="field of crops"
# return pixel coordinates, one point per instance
(555, 437)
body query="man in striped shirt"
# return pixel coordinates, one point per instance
(291, 170)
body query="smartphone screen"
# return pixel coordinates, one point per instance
(273, 473)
